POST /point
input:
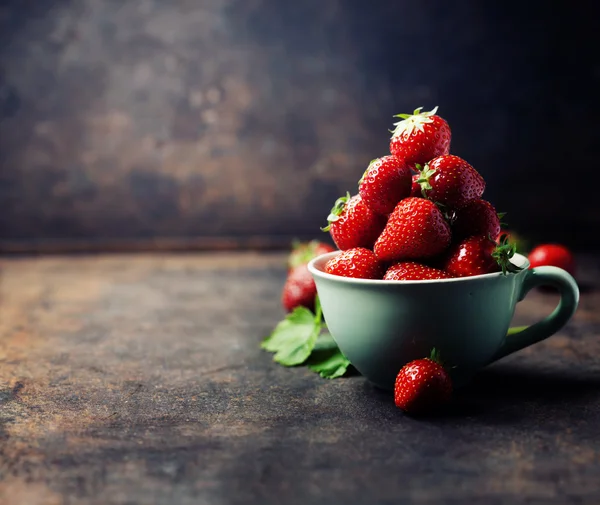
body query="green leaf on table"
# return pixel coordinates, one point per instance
(515, 329)
(294, 338)
(327, 359)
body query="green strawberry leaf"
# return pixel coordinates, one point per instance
(327, 359)
(513, 330)
(294, 338)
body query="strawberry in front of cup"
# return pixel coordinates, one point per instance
(423, 386)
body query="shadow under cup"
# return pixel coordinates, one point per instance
(382, 325)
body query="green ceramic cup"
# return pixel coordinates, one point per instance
(382, 325)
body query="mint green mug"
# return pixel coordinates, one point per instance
(382, 325)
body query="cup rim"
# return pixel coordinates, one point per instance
(521, 261)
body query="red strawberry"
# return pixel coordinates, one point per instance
(420, 137)
(476, 218)
(554, 255)
(412, 271)
(299, 289)
(303, 252)
(386, 181)
(422, 386)
(353, 224)
(359, 262)
(451, 181)
(416, 229)
(479, 255)
(415, 189)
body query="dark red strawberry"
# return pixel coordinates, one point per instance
(480, 255)
(419, 137)
(415, 189)
(358, 262)
(451, 181)
(386, 181)
(353, 224)
(416, 229)
(303, 252)
(412, 271)
(422, 386)
(299, 289)
(476, 218)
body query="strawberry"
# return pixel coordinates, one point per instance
(386, 181)
(419, 137)
(451, 181)
(476, 218)
(555, 255)
(303, 252)
(479, 255)
(412, 271)
(422, 386)
(299, 289)
(353, 224)
(416, 229)
(415, 189)
(358, 262)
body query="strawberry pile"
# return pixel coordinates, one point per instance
(418, 213)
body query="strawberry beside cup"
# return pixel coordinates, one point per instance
(299, 289)
(423, 386)
(555, 255)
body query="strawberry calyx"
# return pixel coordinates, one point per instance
(303, 252)
(412, 122)
(364, 175)
(436, 357)
(425, 174)
(336, 210)
(501, 216)
(503, 252)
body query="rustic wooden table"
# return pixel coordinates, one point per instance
(139, 379)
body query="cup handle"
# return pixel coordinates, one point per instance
(521, 337)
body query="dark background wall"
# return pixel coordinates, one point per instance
(216, 121)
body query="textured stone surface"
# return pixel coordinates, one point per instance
(138, 379)
(126, 121)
